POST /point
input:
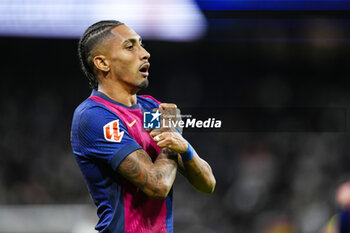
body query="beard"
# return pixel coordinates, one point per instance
(143, 84)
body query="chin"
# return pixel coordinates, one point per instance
(143, 84)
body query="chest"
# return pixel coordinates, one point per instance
(133, 120)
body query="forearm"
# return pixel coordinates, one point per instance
(154, 179)
(161, 177)
(198, 173)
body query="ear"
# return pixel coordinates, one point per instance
(101, 63)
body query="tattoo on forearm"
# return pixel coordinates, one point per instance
(139, 169)
(133, 171)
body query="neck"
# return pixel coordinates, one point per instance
(119, 94)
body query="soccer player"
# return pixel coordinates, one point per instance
(129, 171)
(340, 222)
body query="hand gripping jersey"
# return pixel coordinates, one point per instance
(103, 133)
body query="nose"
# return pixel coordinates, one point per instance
(145, 55)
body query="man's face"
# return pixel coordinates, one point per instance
(127, 58)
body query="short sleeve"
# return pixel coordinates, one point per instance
(102, 136)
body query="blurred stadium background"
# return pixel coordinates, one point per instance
(230, 54)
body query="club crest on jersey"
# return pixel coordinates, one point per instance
(111, 131)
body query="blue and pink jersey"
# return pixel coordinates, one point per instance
(103, 133)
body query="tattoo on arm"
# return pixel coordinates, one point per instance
(154, 179)
(130, 168)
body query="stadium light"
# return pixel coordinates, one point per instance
(153, 19)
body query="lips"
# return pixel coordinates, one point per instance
(144, 69)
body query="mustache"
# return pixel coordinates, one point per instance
(145, 63)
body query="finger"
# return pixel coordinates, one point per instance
(168, 109)
(162, 144)
(167, 105)
(155, 133)
(158, 138)
(152, 130)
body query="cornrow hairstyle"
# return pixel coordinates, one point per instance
(91, 37)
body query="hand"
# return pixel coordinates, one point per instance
(169, 113)
(170, 139)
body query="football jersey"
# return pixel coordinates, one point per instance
(103, 133)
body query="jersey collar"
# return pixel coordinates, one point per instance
(103, 96)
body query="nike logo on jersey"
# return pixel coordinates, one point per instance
(131, 124)
(111, 131)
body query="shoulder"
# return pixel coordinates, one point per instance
(90, 108)
(90, 114)
(148, 101)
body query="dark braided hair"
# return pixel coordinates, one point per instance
(91, 37)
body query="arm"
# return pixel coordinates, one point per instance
(197, 171)
(154, 179)
(126, 157)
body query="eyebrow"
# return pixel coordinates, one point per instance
(132, 40)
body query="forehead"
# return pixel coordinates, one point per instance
(124, 33)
